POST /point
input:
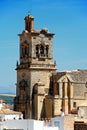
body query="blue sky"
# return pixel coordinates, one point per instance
(66, 18)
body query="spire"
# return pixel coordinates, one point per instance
(29, 22)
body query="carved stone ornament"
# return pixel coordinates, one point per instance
(23, 84)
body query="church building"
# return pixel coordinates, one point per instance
(41, 92)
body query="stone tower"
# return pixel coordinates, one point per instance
(34, 70)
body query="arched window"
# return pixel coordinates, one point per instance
(26, 51)
(58, 88)
(23, 52)
(42, 50)
(37, 50)
(47, 48)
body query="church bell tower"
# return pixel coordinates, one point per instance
(34, 70)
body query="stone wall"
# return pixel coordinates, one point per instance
(82, 111)
(69, 122)
(80, 126)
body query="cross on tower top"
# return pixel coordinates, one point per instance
(29, 13)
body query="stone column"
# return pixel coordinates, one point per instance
(39, 49)
(65, 88)
(60, 90)
(65, 97)
(39, 100)
(45, 51)
(57, 105)
(71, 95)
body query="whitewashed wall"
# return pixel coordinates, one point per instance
(30, 125)
(10, 116)
(51, 128)
(59, 122)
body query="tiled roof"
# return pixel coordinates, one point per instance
(78, 76)
(7, 106)
(7, 111)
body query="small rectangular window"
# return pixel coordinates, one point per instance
(74, 104)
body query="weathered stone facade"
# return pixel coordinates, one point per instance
(80, 126)
(72, 90)
(34, 70)
(41, 92)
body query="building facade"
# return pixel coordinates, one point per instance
(72, 90)
(41, 92)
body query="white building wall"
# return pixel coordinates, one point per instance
(38, 125)
(32, 124)
(17, 124)
(51, 128)
(0, 106)
(10, 116)
(58, 122)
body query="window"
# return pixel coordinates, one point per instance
(42, 50)
(37, 50)
(23, 51)
(58, 88)
(74, 104)
(47, 50)
(26, 51)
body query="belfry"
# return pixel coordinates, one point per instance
(34, 70)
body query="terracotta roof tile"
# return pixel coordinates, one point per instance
(7, 111)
